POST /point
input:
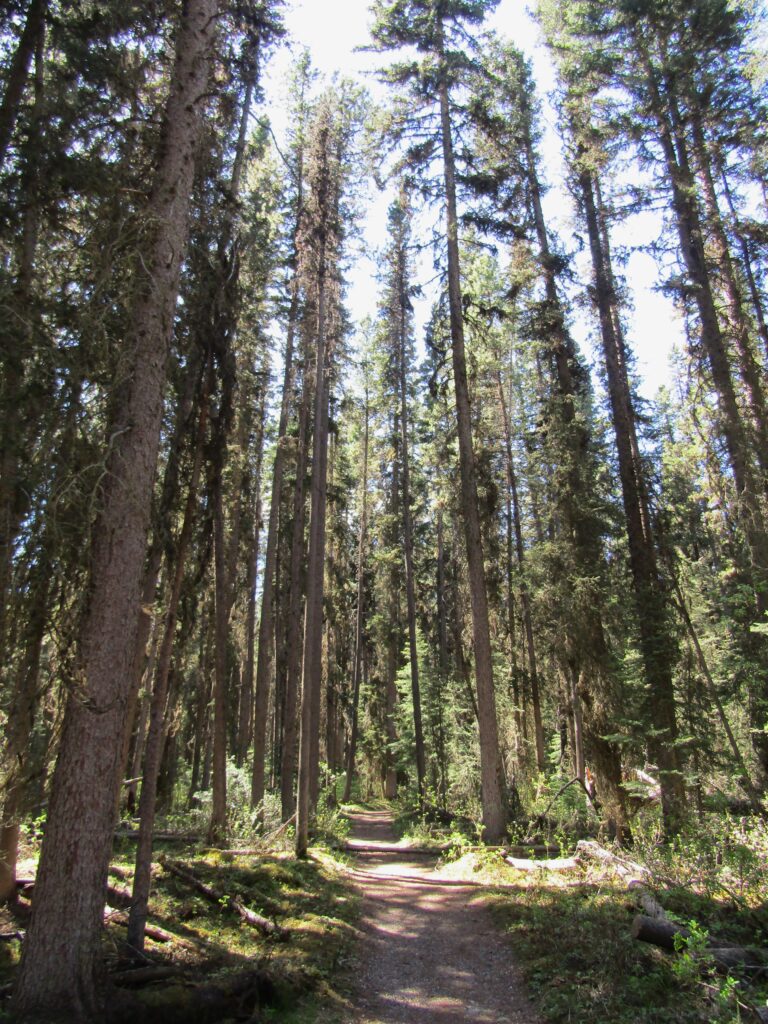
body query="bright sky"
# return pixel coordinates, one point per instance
(332, 29)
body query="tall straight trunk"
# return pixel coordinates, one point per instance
(656, 641)
(270, 584)
(288, 763)
(313, 619)
(525, 601)
(218, 823)
(246, 710)
(18, 72)
(491, 768)
(183, 423)
(410, 586)
(21, 416)
(153, 750)
(224, 322)
(18, 736)
(55, 978)
(389, 771)
(358, 649)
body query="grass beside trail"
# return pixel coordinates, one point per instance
(571, 933)
(295, 981)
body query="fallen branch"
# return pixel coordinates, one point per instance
(164, 837)
(262, 924)
(143, 976)
(151, 931)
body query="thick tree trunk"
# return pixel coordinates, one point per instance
(313, 623)
(491, 769)
(61, 979)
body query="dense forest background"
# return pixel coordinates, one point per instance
(255, 558)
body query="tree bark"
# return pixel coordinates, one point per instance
(155, 735)
(491, 769)
(359, 614)
(55, 979)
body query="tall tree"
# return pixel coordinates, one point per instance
(52, 979)
(438, 31)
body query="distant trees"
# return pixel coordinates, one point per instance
(440, 35)
(241, 539)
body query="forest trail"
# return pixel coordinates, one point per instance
(430, 953)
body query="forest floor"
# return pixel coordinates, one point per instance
(430, 952)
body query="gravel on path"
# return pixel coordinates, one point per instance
(430, 953)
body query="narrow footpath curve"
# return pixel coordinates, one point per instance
(430, 952)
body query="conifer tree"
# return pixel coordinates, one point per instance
(439, 33)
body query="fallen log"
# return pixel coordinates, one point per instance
(635, 875)
(657, 931)
(629, 870)
(663, 933)
(262, 924)
(231, 996)
(143, 975)
(417, 851)
(522, 850)
(163, 837)
(254, 851)
(553, 864)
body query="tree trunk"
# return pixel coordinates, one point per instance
(313, 623)
(359, 614)
(269, 588)
(656, 642)
(491, 769)
(153, 751)
(410, 588)
(533, 674)
(54, 978)
(18, 72)
(289, 759)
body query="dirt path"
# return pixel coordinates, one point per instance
(430, 953)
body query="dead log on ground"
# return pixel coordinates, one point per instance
(143, 975)
(262, 924)
(416, 851)
(553, 864)
(255, 851)
(726, 958)
(162, 837)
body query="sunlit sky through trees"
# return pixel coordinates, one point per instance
(334, 31)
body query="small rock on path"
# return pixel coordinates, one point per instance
(430, 952)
